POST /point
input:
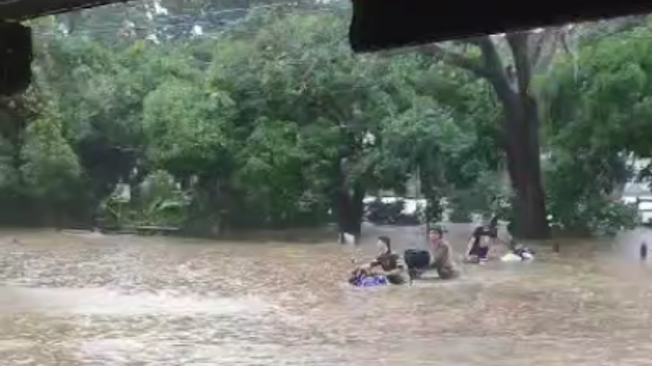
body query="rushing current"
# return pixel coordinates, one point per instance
(74, 298)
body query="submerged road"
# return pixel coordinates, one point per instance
(80, 299)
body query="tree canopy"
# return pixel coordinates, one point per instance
(259, 116)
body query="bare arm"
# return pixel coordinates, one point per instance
(374, 263)
(369, 265)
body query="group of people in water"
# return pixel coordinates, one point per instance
(393, 268)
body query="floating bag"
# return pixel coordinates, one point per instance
(415, 258)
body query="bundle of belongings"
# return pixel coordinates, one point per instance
(518, 253)
(362, 279)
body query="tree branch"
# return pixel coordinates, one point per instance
(494, 63)
(439, 53)
(518, 43)
(489, 67)
(456, 59)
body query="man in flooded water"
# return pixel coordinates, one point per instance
(387, 263)
(480, 242)
(441, 256)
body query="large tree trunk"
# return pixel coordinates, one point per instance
(349, 209)
(524, 165)
(431, 187)
(512, 85)
(520, 132)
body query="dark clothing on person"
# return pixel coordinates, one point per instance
(395, 279)
(390, 262)
(479, 249)
(481, 252)
(489, 231)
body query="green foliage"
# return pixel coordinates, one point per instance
(598, 108)
(272, 122)
(162, 202)
(604, 104)
(185, 126)
(488, 197)
(581, 204)
(51, 170)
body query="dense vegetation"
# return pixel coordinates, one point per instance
(243, 116)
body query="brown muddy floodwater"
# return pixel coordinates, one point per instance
(79, 299)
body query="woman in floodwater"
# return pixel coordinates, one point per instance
(486, 236)
(387, 263)
(480, 242)
(441, 255)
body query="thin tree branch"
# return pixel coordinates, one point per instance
(494, 64)
(439, 53)
(489, 67)
(456, 59)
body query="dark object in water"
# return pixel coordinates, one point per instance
(643, 251)
(520, 250)
(417, 262)
(347, 238)
(524, 252)
(555, 247)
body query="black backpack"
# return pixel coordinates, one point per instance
(416, 258)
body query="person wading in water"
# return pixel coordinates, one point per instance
(481, 240)
(387, 263)
(441, 255)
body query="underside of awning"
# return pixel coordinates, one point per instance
(19, 10)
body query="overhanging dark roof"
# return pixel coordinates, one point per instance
(19, 10)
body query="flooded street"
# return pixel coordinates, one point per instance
(80, 299)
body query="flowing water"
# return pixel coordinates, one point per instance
(81, 299)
